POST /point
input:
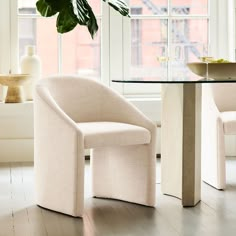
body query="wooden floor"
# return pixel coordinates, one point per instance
(215, 215)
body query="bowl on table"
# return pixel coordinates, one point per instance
(216, 71)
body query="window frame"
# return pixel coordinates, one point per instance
(218, 35)
(122, 58)
(59, 56)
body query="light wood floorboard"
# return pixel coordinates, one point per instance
(19, 216)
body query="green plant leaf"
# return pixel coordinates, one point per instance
(66, 20)
(45, 9)
(85, 15)
(92, 24)
(73, 12)
(119, 6)
(51, 7)
(81, 11)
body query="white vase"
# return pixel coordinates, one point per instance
(30, 64)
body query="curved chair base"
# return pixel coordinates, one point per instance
(126, 173)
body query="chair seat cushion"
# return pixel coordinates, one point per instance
(229, 122)
(100, 134)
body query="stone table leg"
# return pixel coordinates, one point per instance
(181, 142)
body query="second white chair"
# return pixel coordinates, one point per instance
(218, 119)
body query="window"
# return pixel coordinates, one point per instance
(164, 36)
(74, 52)
(156, 42)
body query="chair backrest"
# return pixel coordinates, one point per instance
(79, 98)
(224, 95)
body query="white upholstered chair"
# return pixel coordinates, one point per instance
(218, 119)
(73, 114)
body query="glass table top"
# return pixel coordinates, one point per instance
(160, 81)
(197, 72)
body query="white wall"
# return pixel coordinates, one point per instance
(151, 107)
(16, 132)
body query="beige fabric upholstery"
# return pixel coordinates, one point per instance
(218, 119)
(101, 134)
(72, 114)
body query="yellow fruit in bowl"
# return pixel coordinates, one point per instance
(221, 60)
(206, 59)
(213, 60)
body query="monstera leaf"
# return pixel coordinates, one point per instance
(73, 12)
(119, 6)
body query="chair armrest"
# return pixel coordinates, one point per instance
(211, 117)
(208, 103)
(58, 154)
(43, 94)
(54, 130)
(213, 151)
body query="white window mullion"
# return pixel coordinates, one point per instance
(126, 51)
(169, 39)
(222, 17)
(60, 54)
(116, 48)
(231, 29)
(14, 52)
(5, 39)
(105, 44)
